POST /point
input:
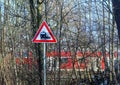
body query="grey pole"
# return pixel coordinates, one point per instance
(44, 57)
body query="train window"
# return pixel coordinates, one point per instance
(82, 60)
(64, 60)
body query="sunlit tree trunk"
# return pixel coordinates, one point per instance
(0, 31)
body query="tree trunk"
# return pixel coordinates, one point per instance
(116, 12)
(35, 25)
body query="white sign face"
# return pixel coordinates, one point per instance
(44, 35)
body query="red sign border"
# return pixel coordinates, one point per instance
(50, 32)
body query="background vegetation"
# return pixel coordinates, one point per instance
(78, 25)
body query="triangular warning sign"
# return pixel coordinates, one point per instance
(44, 35)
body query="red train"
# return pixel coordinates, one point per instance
(79, 60)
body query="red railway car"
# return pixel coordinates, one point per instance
(79, 60)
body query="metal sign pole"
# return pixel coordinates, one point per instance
(44, 65)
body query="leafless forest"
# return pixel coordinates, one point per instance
(78, 25)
